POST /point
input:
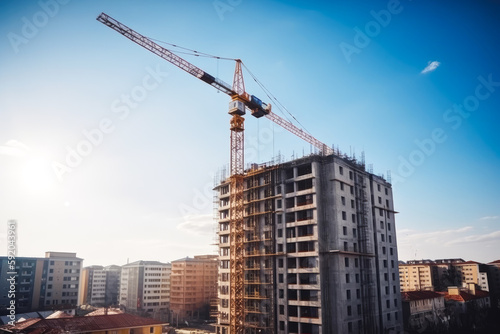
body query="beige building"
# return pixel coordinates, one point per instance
(63, 279)
(416, 277)
(193, 287)
(420, 275)
(471, 272)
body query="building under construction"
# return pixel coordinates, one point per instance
(320, 253)
(308, 246)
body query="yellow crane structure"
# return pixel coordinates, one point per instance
(240, 102)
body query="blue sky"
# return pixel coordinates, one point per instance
(352, 73)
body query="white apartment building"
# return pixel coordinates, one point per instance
(145, 287)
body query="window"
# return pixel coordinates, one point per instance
(378, 187)
(383, 250)
(350, 175)
(344, 230)
(381, 212)
(349, 312)
(281, 293)
(346, 262)
(347, 278)
(280, 263)
(352, 204)
(342, 199)
(280, 233)
(379, 200)
(341, 186)
(390, 239)
(387, 303)
(382, 237)
(345, 246)
(341, 170)
(353, 218)
(354, 232)
(381, 224)
(282, 309)
(348, 294)
(349, 326)
(344, 215)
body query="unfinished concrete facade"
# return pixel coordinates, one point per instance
(320, 250)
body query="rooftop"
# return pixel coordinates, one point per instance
(81, 324)
(419, 295)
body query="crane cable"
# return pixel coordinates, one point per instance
(271, 97)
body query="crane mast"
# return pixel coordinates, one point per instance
(240, 101)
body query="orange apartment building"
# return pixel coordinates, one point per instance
(193, 287)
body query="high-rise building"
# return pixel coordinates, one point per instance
(63, 279)
(145, 288)
(193, 286)
(41, 283)
(100, 285)
(320, 253)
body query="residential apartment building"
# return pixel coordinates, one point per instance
(100, 285)
(416, 277)
(424, 310)
(145, 288)
(419, 275)
(193, 287)
(42, 283)
(494, 282)
(30, 275)
(320, 253)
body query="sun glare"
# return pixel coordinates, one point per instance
(37, 175)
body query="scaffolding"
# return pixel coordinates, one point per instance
(366, 255)
(259, 199)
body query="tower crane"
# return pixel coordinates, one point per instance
(240, 102)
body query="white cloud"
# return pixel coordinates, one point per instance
(489, 218)
(431, 66)
(14, 148)
(202, 224)
(463, 242)
(493, 236)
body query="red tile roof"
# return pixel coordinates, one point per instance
(419, 295)
(465, 296)
(83, 324)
